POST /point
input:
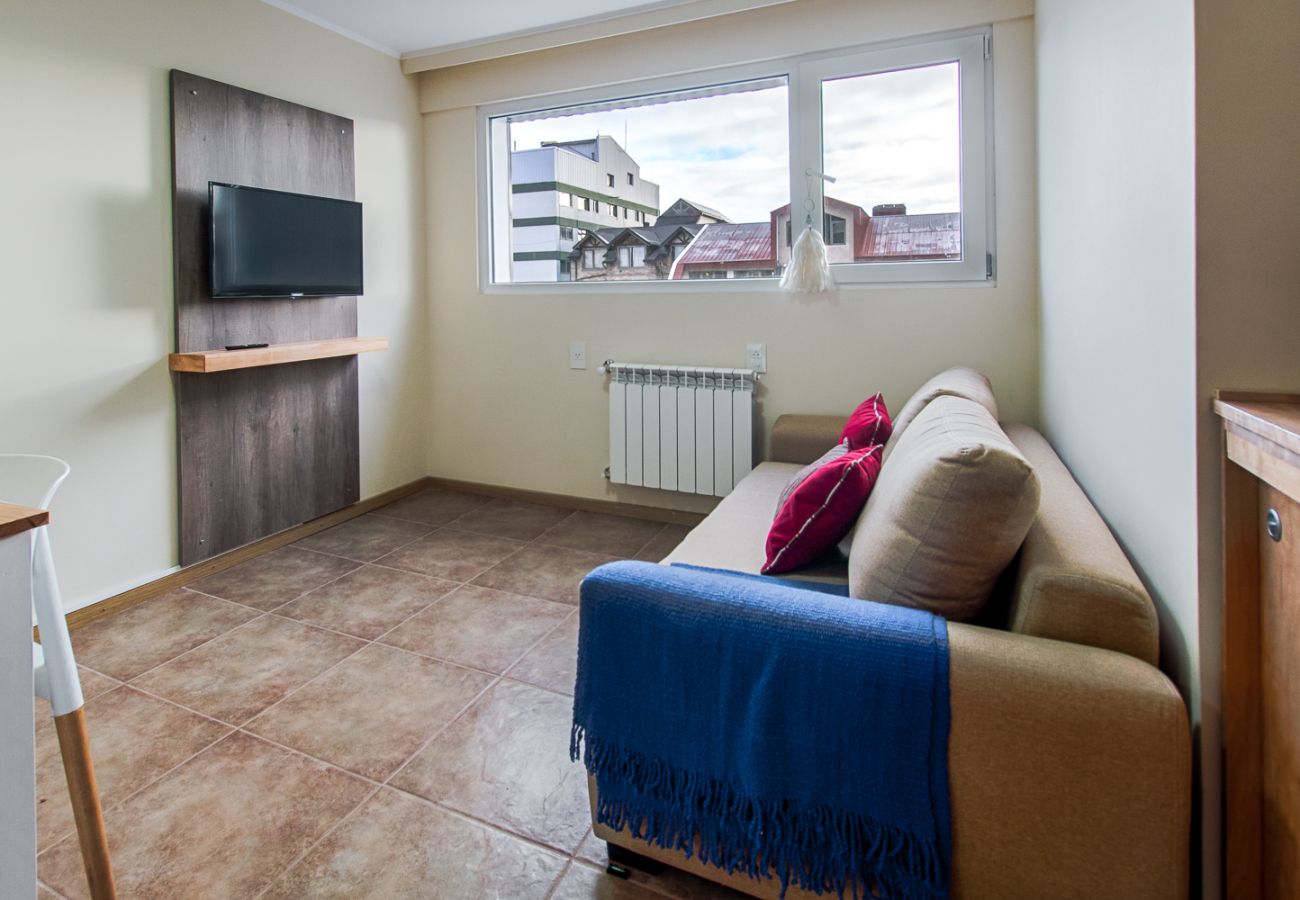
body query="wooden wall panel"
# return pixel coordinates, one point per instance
(263, 449)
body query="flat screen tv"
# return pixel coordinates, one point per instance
(277, 244)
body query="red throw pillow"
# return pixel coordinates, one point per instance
(869, 425)
(821, 510)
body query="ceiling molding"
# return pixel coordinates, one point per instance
(657, 15)
(301, 13)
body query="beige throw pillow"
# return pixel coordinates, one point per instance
(952, 506)
(959, 381)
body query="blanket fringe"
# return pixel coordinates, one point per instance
(815, 847)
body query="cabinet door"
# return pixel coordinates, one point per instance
(1280, 697)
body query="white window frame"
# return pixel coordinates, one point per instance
(972, 52)
(970, 48)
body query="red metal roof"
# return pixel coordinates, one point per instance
(923, 236)
(743, 242)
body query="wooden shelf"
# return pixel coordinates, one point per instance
(17, 519)
(203, 362)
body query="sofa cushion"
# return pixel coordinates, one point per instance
(803, 474)
(869, 424)
(733, 535)
(821, 509)
(949, 512)
(959, 381)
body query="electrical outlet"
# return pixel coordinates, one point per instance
(577, 354)
(756, 357)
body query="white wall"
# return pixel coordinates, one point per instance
(85, 247)
(507, 409)
(1116, 140)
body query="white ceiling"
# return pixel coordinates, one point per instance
(413, 27)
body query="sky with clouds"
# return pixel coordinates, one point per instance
(888, 138)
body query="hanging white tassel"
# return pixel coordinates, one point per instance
(809, 271)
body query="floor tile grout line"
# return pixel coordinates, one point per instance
(189, 650)
(505, 673)
(440, 731)
(107, 808)
(48, 889)
(367, 643)
(312, 680)
(261, 613)
(486, 823)
(368, 562)
(355, 567)
(564, 872)
(292, 864)
(530, 648)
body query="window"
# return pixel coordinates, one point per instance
(915, 163)
(625, 257)
(743, 169)
(901, 128)
(832, 229)
(589, 259)
(566, 233)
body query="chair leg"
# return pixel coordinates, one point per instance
(75, 749)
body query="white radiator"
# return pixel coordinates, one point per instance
(680, 428)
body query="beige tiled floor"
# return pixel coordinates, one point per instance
(381, 710)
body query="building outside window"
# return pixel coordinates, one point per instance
(833, 229)
(901, 128)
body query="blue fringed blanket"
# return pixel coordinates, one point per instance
(789, 732)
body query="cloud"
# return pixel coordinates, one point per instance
(889, 138)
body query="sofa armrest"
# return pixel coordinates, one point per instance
(1070, 771)
(1069, 774)
(801, 439)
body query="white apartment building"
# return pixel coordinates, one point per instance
(563, 189)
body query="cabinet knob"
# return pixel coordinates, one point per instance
(1274, 525)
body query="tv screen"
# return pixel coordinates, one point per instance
(276, 244)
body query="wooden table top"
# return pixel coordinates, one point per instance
(17, 519)
(1275, 417)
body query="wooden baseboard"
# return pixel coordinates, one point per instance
(190, 574)
(586, 504)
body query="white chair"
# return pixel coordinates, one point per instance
(31, 481)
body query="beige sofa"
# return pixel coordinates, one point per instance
(1069, 754)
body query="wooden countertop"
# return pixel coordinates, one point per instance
(1262, 434)
(17, 519)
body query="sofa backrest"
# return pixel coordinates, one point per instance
(949, 511)
(1071, 581)
(959, 381)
